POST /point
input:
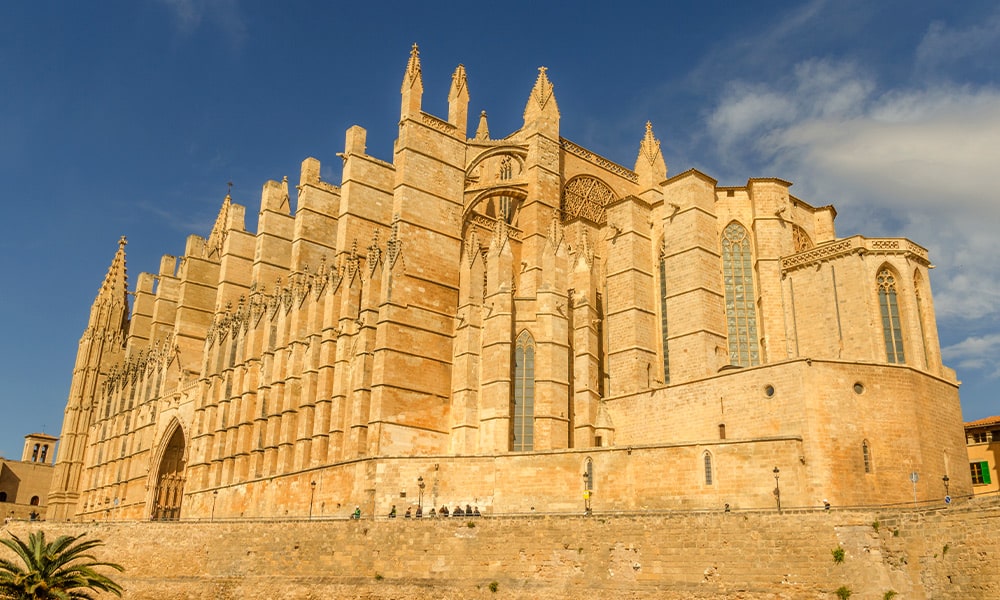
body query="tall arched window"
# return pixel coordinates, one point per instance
(707, 459)
(523, 433)
(889, 309)
(866, 454)
(741, 314)
(663, 317)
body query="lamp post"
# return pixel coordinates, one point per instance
(947, 497)
(777, 488)
(312, 495)
(215, 496)
(420, 494)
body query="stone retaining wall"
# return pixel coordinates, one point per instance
(941, 554)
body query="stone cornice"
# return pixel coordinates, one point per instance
(854, 245)
(598, 160)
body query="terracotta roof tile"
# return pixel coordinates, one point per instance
(984, 422)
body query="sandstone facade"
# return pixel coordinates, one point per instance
(508, 323)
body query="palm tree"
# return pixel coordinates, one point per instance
(60, 570)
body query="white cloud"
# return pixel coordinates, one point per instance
(976, 353)
(917, 162)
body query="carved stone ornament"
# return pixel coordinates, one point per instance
(586, 197)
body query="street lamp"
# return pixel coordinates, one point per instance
(777, 488)
(946, 480)
(215, 496)
(312, 494)
(420, 495)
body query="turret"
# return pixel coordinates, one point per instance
(649, 165)
(458, 101)
(541, 112)
(413, 86)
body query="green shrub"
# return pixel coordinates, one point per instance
(843, 592)
(889, 595)
(494, 586)
(838, 555)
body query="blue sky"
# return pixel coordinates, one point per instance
(128, 117)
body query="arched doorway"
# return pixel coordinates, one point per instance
(169, 491)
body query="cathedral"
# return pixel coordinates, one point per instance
(515, 323)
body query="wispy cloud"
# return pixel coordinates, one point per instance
(191, 15)
(944, 46)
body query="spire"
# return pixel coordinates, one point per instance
(458, 101)
(115, 286)
(483, 131)
(413, 84)
(110, 308)
(542, 101)
(218, 235)
(649, 165)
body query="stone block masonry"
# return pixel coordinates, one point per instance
(927, 553)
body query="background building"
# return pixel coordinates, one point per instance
(983, 439)
(24, 484)
(511, 323)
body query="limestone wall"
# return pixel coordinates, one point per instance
(942, 554)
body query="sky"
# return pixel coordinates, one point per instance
(129, 117)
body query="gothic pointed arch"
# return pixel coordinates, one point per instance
(741, 309)
(523, 402)
(886, 284)
(168, 489)
(801, 239)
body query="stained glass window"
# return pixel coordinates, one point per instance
(741, 314)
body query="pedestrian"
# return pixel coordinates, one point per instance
(407, 514)
(357, 512)
(392, 512)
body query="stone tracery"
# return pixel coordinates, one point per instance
(586, 197)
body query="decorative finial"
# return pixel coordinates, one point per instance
(122, 242)
(229, 189)
(483, 130)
